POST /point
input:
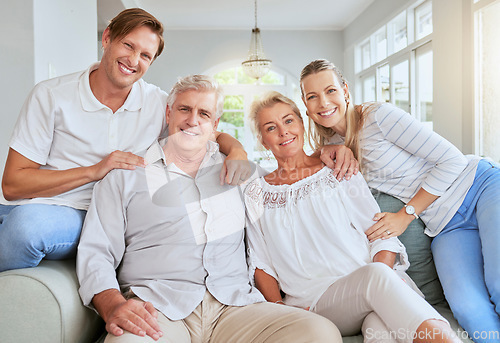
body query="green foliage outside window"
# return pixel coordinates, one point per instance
(234, 118)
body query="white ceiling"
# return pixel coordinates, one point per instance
(239, 14)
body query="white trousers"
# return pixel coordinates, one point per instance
(375, 300)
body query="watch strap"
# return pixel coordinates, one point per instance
(413, 214)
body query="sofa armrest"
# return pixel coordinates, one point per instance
(42, 305)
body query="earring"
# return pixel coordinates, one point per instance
(268, 154)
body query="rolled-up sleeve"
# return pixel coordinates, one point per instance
(102, 241)
(258, 256)
(361, 207)
(257, 250)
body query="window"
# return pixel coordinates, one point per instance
(397, 33)
(385, 84)
(423, 20)
(369, 89)
(365, 55)
(232, 120)
(397, 68)
(240, 90)
(400, 80)
(487, 76)
(380, 40)
(424, 72)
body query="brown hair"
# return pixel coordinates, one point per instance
(318, 135)
(128, 20)
(268, 100)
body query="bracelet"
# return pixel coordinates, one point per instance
(279, 302)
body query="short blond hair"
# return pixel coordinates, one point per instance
(268, 100)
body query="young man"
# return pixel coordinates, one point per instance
(74, 129)
(177, 238)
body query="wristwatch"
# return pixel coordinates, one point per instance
(409, 209)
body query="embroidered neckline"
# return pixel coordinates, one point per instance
(278, 196)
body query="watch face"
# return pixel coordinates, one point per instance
(410, 209)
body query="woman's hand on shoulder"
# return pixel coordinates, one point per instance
(388, 225)
(341, 159)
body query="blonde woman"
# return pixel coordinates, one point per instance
(457, 197)
(306, 239)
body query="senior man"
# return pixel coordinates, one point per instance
(175, 237)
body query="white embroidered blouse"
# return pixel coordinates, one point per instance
(311, 233)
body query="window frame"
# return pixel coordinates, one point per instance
(406, 53)
(477, 7)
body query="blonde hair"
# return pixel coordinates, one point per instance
(319, 135)
(268, 100)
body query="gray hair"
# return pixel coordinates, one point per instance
(268, 100)
(202, 83)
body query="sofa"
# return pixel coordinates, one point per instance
(42, 304)
(422, 269)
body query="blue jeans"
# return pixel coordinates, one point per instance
(31, 232)
(467, 257)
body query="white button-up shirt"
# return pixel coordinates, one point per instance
(169, 236)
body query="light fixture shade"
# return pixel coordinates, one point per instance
(256, 65)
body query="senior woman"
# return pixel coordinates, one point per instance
(306, 241)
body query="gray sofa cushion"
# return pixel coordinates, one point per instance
(418, 247)
(42, 305)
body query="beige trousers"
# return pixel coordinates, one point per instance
(214, 322)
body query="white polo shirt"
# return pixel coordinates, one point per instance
(62, 125)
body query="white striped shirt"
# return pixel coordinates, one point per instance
(400, 156)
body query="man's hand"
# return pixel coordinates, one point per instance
(116, 160)
(341, 159)
(23, 178)
(131, 315)
(236, 168)
(388, 225)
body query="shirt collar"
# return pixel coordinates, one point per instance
(90, 103)
(155, 152)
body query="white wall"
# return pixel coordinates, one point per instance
(195, 51)
(448, 64)
(34, 34)
(17, 61)
(65, 36)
